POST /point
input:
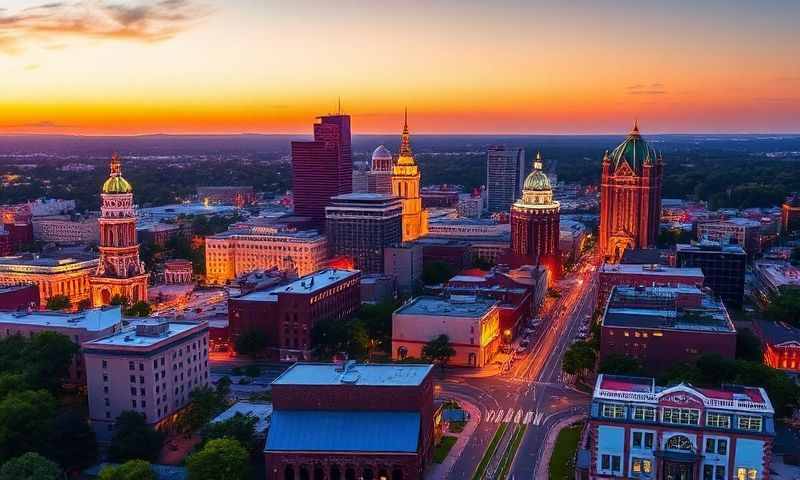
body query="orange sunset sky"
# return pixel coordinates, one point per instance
(263, 66)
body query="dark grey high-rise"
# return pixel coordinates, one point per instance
(505, 172)
(360, 225)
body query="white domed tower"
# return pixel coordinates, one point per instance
(120, 272)
(405, 184)
(535, 220)
(380, 174)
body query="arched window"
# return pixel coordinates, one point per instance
(288, 472)
(336, 474)
(679, 442)
(368, 474)
(402, 353)
(350, 474)
(304, 473)
(319, 473)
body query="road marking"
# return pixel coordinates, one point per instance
(509, 415)
(538, 419)
(499, 417)
(489, 415)
(518, 416)
(528, 417)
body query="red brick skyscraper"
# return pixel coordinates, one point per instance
(630, 197)
(322, 168)
(535, 222)
(120, 272)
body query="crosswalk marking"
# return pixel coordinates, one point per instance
(509, 415)
(528, 417)
(518, 416)
(499, 417)
(538, 419)
(489, 415)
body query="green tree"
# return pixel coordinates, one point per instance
(616, 364)
(219, 458)
(224, 386)
(438, 350)
(119, 300)
(785, 306)
(48, 357)
(205, 404)
(72, 442)
(139, 309)
(748, 346)
(58, 302)
(30, 466)
(239, 427)
(26, 419)
(579, 358)
(134, 439)
(130, 470)
(251, 342)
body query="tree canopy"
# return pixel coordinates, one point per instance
(72, 441)
(134, 439)
(219, 458)
(130, 470)
(251, 342)
(439, 350)
(578, 358)
(58, 302)
(25, 422)
(785, 307)
(139, 309)
(206, 404)
(30, 466)
(239, 427)
(616, 364)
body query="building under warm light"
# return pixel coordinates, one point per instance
(405, 184)
(790, 215)
(119, 272)
(630, 197)
(57, 275)
(780, 345)
(535, 231)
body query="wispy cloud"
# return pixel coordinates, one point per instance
(655, 88)
(43, 124)
(98, 19)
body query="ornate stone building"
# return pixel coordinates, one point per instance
(630, 197)
(535, 222)
(120, 272)
(405, 184)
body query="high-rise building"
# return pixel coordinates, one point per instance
(151, 368)
(322, 168)
(535, 218)
(379, 178)
(360, 225)
(723, 267)
(119, 272)
(505, 172)
(360, 177)
(405, 184)
(630, 197)
(790, 215)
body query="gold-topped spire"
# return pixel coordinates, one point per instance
(115, 165)
(537, 162)
(405, 145)
(115, 182)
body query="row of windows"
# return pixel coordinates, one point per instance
(683, 416)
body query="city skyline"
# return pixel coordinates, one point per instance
(206, 66)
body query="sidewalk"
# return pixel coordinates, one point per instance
(441, 471)
(543, 467)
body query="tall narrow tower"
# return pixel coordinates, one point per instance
(630, 197)
(405, 184)
(535, 220)
(120, 272)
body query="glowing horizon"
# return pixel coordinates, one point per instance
(260, 66)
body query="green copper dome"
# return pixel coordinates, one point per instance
(115, 182)
(117, 185)
(537, 180)
(634, 150)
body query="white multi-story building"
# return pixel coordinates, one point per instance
(63, 230)
(472, 325)
(43, 207)
(150, 368)
(233, 253)
(743, 231)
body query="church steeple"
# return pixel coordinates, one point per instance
(405, 145)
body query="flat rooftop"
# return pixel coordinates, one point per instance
(652, 269)
(657, 308)
(308, 284)
(57, 263)
(455, 306)
(91, 320)
(130, 338)
(776, 333)
(364, 197)
(710, 247)
(359, 374)
(261, 411)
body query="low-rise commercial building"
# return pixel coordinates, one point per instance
(637, 429)
(742, 231)
(472, 325)
(57, 275)
(780, 345)
(403, 261)
(774, 275)
(78, 327)
(611, 275)
(150, 367)
(663, 326)
(287, 314)
(238, 195)
(351, 421)
(66, 230)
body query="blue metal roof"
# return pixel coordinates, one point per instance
(348, 431)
